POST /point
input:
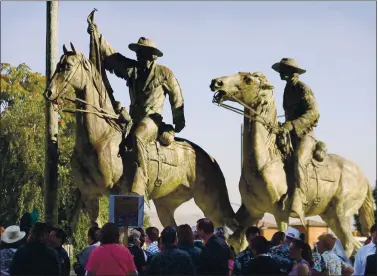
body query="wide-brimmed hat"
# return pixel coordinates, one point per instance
(145, 43)
(12, 234)
(293, 233)
(288, 62)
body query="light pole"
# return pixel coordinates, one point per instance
(51, 150)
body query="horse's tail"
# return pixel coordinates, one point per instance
(366, 212)
(224, 200)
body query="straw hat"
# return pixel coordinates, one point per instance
(12, 234)
(288, 62)
(147, 44)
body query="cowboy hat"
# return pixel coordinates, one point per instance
(147, 44)
(293, 233)
(12, 234)
(288, 62)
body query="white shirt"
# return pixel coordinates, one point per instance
(362, 254)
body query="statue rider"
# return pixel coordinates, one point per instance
(148, 84)
(302, 115)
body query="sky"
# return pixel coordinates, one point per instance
(334, 41)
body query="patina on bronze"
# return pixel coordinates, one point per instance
(178, 172)
(335, 187)
(149, 83)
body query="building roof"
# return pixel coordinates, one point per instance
(310, 222)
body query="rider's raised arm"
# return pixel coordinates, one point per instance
(310, 117)
(114, 62)
(172, 88)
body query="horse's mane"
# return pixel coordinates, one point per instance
(96, 78)
(99, 84)
(267, 99)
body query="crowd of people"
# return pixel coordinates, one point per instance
(182, 250)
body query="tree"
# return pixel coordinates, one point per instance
(22, 128)
(357, 224)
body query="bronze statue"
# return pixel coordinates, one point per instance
(177, 173)
(302, 115)
(148, 84)
(335, 187)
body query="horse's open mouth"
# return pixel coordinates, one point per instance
(218, 96)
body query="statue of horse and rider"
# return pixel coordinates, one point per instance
(134, 153)
(286, 171)
(284, 163)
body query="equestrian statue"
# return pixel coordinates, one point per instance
(286, 171)
(134, 153)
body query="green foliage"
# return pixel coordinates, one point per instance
(21, 142)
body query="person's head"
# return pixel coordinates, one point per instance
(195, 233)
(152, 234)
(12, 237)
(57, 237)
(373, 233)
(134, 237)
(168, 236)
(325, 242)
(292, 234)
(205, 228)
(259, 245)
(145, 50)
(368, 240)
(93, 235)
(26, 222)
(299, 250)
(185, 235)
(320, 151)
(278, 238)
(109, 233)
(142, 238)
(38, 233)
(288, 68)
(251, 233)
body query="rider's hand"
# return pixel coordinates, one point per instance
(286, 127)
(179, 126)
(91, 28)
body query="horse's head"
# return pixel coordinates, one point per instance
(241, 87)
(68, 72)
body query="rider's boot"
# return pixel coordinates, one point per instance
(297, 205)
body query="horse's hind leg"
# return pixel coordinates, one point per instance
(340, 225)
(167, 205)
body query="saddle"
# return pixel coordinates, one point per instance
(317, 171)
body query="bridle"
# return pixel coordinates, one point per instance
(100, 111)
(253, 116)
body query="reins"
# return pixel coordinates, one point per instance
(100, 111)
(255, 117)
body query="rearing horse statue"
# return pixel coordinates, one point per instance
(177, 172)
(337, 188)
